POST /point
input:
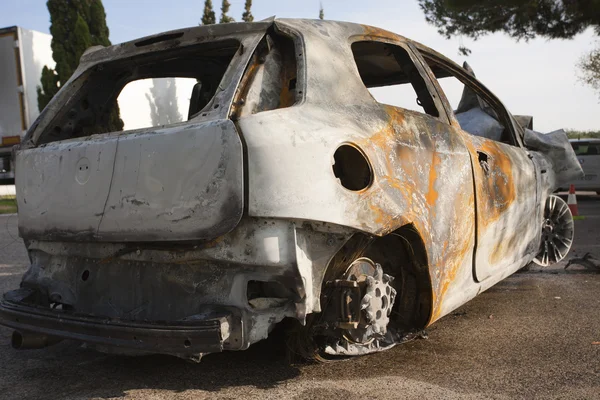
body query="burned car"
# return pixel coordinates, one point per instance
(289, 192)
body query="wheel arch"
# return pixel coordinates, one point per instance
(414, 302)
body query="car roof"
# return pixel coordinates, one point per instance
(190, 35)
(593, 140)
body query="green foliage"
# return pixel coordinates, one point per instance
(247, 15)
(225, 19)
(49, 87)
(573, 134)
(8, 204)
(208, 17)
(590, 69)
(97, 24)
(81, 40)
(75, 25)
(321, 12)
(520, 19)
(64, 18)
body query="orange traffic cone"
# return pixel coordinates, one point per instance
(572, 201)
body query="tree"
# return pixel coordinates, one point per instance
(48, 88)
(208, 17)
(75, 25)
(590, 68)
(97, 24)
(225, 19)
(321, 12)
(162, 100)
(247, 15)
(520, 19)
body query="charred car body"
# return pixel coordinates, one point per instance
(289, 192)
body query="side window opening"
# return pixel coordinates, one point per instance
(473, 112)
(586, 148)
(391, 76)
(143, 91)
(270, 80)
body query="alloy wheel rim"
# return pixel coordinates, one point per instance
(557, 232)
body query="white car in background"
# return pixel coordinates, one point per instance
(588, 154)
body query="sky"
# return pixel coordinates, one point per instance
(536, 78)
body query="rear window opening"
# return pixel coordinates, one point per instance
(150, 102)
(144, 91)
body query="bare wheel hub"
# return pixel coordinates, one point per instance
(366, 299)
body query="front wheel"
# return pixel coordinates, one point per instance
(557, 232)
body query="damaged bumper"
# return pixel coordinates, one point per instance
(181, 300)
(212, 331)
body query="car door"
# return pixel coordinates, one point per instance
(588, 154)
(507, 212)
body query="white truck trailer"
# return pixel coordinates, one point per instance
(23, 54)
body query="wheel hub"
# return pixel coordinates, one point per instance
(557, 232)
(366, 298)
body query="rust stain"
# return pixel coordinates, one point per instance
(243, 88)
(498, 187)
(402, 163)
(372, 31)
(432, 194)
(287, 97)
(455, 249)
(381, 217)
(384, 143)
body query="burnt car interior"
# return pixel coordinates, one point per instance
(475, 113)
(382, 64)
(95, 102)
(271, 78)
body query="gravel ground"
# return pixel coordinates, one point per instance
(530, 336)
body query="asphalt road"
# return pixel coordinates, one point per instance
(530, 336)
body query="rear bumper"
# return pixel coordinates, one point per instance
(212, 331)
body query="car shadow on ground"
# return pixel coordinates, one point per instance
(67, 369)
(474, 350)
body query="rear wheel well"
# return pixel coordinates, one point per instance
(402, 254)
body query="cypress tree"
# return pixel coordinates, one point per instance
(99, 36)
(247, 15)
(225, 19)
(208, 17)
(97, 24)
(48, 88)
(321, 12)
